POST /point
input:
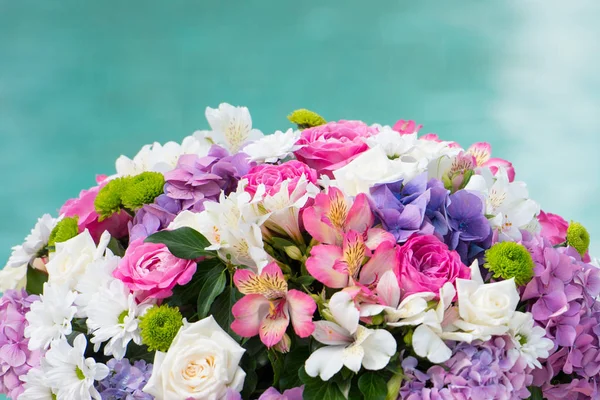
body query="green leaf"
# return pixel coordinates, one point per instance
(116, 247)
(304, 280)
(186, 295)
(294, 361)
(35, 280)
(536, 393)
(372, 386)
(280, 243)
(214, 284)
(185, 243)
(277, 361)
(221, 309)
(250, 383)
(316, 389)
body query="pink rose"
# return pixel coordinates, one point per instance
(554, 227)
(151, 269)
(331, 146)
(83, 207)
(273, 175)
(426, 265)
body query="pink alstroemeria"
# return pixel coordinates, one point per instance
(339, 266)
(406, 127)
(268, 306)
(483, 157)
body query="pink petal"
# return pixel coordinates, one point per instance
(320, 266)
(272, 271)
(330, 333)
(494, 163)
(244, 280)
(12, 355)
(273, 326)
(388, 289)
(360, 218)
(317, 228)
(376, 236)
(384, 259)
(301, 308)
(481, 151)
(248, 312)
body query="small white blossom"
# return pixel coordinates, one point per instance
(34, 242)
(271, 148)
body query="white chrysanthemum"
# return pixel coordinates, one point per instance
(97, 275)
(71, 258)
(34, 242)
(36, 385)
(13, 278)
(231, 126)
(271, 148)
(70, 373)
(113, 318)
(161, 158)
(529, 340)
(50, 317)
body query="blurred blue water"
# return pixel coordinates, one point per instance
(82, 82)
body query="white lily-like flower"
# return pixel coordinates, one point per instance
(274, 147)
(231, 126)
(507, 202)
(371, 348)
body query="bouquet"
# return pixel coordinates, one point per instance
(338, 260)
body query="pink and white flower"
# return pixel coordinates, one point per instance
(268, 306)
(483, 158)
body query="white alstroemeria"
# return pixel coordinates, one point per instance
(70, 374)
(161, 157)
(71, 258)
(371, 168)
(283, 208)
(97, 275)
(485, 310)
(13, 278)
(371, 348)
(231, 126)
(50, 317)
(36, 385)
(24, 253)
(344, 311)
(507, 202)
(389, 293)
(394, 144)
(529, 340)
(113, 318)
(274, 147)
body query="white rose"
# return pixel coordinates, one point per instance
(485, 310)
(373, 167)
(202, 363)
(72, 257)
(13, 278)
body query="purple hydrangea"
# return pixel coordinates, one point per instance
(199, 179)
(153, 217)
(15, 358)
(125, 381)
(562, 297)
(290, 394)
(480, 370)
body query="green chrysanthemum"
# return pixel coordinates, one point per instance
(578, 237)
(64, 230)
(510, 260)
(159, 326)
(142, 189)
(108, 201)
(306, 119)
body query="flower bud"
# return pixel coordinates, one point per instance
(283, 346)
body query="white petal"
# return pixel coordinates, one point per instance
(344, 311)
(352, 357)
(388, 289)
(330, 333)
(429, 345)
(325, 362)
(379, 347)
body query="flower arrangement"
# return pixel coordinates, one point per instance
(335, 261)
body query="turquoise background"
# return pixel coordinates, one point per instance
(82, 82)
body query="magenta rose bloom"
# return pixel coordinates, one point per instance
(272, 176)
(426, 265)
(152, 270)
(83, 207)
(331, 146)
(554, 227)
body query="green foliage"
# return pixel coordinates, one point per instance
(578, 237)
(142, 189)
(510, 260)
(159, 326)
(214, 282)
(64, 230)
(108, 201)
(293, 362)
(35, 280)
(221, 309)
(306, 119)
(372, 386)
(186, 243)
(536, 393)
(316, 389)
